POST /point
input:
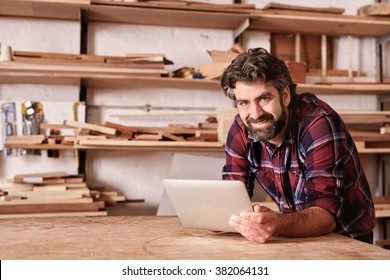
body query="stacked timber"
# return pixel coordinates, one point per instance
(53, 194)
(370, 130)
(89, 66)
(114, 134)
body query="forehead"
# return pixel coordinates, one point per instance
(249, 91)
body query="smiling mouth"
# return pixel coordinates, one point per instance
(260, 121)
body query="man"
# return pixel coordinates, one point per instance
(299, 150)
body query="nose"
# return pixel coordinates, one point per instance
(256, 110)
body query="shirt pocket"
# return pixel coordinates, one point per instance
(297, 178)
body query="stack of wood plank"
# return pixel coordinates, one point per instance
(89, 66)
(113, 134)
(369, 129)
(53, 194)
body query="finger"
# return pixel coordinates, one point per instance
(256, 207)
(243, 223)
(256, 234)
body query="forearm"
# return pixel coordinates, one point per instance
(312, 221)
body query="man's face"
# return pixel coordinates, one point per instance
(262, 110)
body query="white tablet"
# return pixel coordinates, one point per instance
(207, 204)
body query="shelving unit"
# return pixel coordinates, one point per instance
(203, 17)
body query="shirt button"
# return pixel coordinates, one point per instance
(278, 178)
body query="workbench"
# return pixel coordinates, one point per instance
(160, 238)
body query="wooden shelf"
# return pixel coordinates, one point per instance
(104, 81)
(121, 14)
(270, 21)
(317, 23)
(157, 146)
(344, 89)
(131, 146)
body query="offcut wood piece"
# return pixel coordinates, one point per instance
(278, 6)
(53, 126)
(125, 131)
(92, 127)
(26, 139)
(184, 72)
(39, 177)
(148, 137)
(223, 56)
(335, 73)
(49, 188)
(6, 187)
(207, 135)
(212, 70)
(297, 71)
(381, 199)
(375, 9)
(111, 197)
(172, 137)
(225, 117)
(385, 130)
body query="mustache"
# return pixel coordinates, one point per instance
(262, 118)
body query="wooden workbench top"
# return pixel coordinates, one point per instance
(150, 237)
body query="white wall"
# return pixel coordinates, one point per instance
(139, 174)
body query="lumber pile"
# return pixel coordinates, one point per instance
(369, 129)
(89, 66)
(53, 194)
(114, 134)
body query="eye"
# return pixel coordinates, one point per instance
(265, 99)
(241, 103)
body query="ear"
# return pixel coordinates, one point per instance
(286, 96)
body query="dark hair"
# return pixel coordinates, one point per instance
(257, 65)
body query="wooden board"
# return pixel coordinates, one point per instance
(278, 6)
(50, 207)
(93, 127)
(375, 9)
(125, 237)
(39, 177)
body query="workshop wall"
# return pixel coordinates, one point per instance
(139, 174)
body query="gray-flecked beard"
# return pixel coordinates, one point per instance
(270, 131)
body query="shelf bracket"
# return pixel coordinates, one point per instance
(83, 16)
(241, 28)
(80, 154)
(380, 46)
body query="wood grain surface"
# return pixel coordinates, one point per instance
(150, 237)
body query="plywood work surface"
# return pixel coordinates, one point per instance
(150, 237)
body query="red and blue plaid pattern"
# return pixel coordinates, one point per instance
(317, 164)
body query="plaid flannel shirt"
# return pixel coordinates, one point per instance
(317, 164)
